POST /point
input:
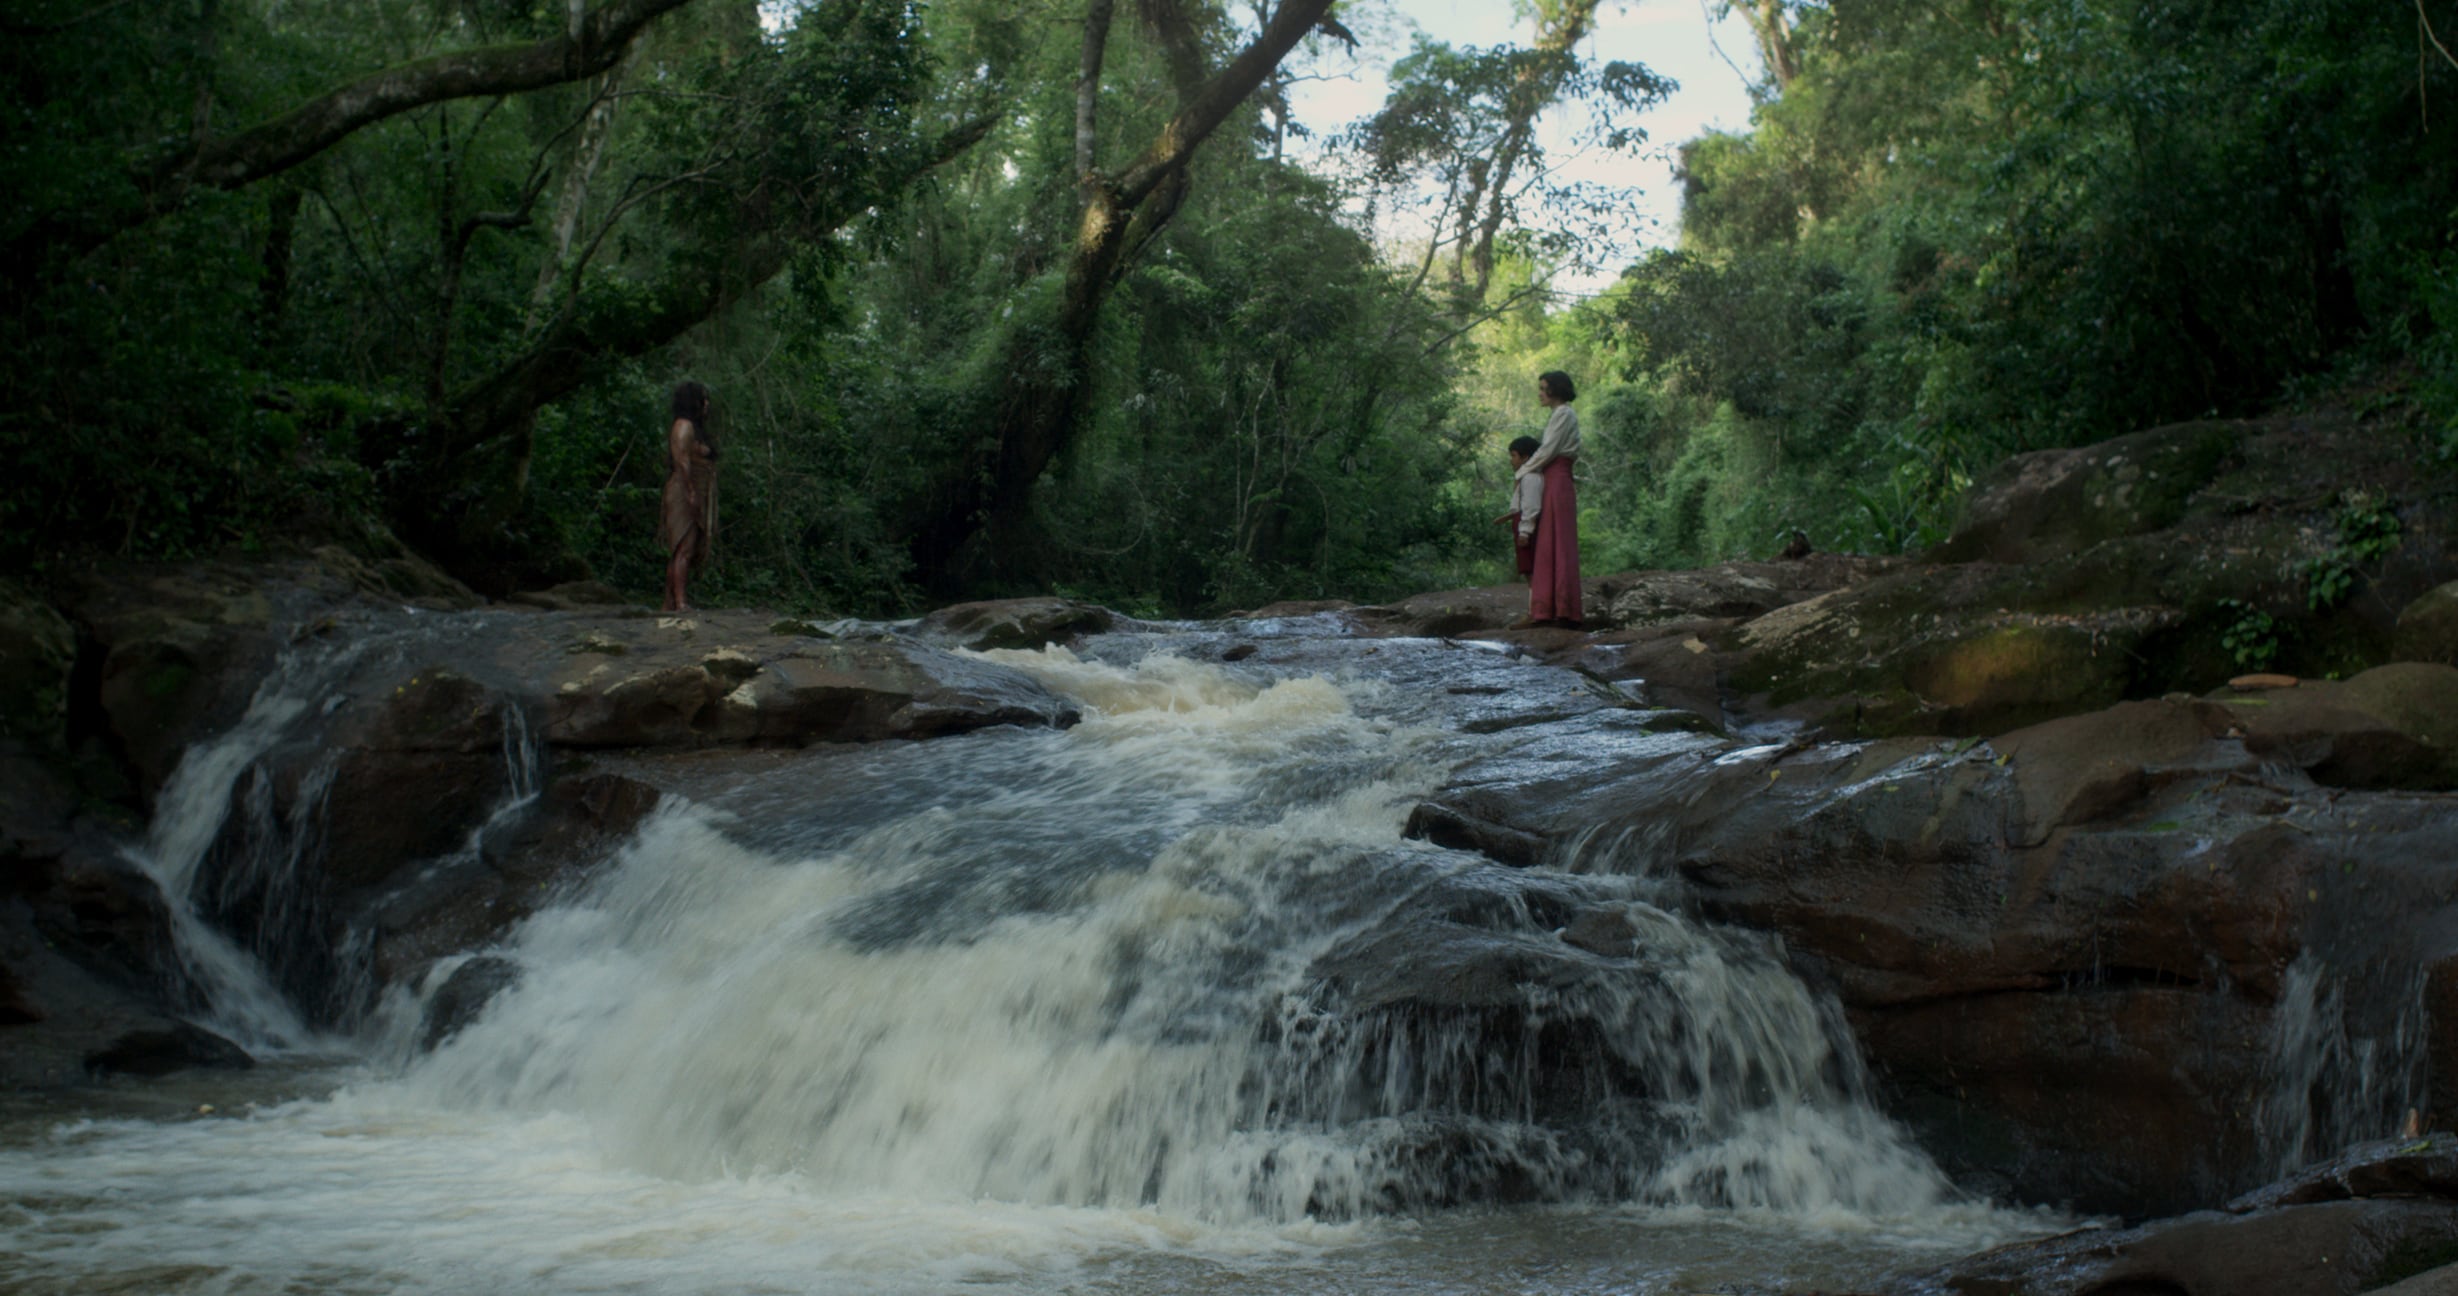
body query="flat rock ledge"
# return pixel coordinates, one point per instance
(2381, 1218)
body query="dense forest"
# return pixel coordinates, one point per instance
(1064, 295)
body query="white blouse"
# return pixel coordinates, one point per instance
(1561, 441)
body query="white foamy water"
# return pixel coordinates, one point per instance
(1048, 1011)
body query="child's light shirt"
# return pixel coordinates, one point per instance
(1527, 500)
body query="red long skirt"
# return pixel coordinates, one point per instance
(1553, 588)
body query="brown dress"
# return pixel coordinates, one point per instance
(680, 528)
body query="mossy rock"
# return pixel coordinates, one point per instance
(1945, 651)
(2051, 503)
(2428, 627)
(37, 649)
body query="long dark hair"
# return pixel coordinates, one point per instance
(1559, 384)
(691, 404)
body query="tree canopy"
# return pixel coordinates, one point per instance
(1003, 297)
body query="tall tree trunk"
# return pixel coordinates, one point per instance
(1041, 396)
(1771, 22)
(573, 197)
(1559, 33)
(1088, 88)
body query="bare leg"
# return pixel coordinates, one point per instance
(678, 571)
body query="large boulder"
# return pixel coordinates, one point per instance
(1971, 649)
(2381, 1218)
(727, 678)
(467, 902)
(2428, 627)
(2065, 951)
(178, 649)
(2052, 503)
(444, 790)
(2394, 726)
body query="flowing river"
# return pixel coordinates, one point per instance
(1165, 1002)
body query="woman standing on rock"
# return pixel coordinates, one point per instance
(1553, 587)
(687, 524)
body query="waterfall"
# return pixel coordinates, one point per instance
(213, 778)
(1093, 974)
(2331, 1083)
(1166, 1001)
(236, 862)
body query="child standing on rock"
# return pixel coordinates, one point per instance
(1527, 501)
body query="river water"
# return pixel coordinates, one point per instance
(1165, 1002)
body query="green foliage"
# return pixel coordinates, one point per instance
(2251, 638)
(2436, 351)
(2367, 530)
(1975, 228)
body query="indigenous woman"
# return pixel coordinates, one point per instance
(1553, 587)
(687, 523)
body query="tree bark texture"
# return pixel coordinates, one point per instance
(273, 147)
(1041, 397)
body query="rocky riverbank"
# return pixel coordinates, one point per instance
(2112, 932)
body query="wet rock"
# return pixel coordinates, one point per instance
(732, 681)
(412, 772)
(1452, 826)
(389, 570)
(1238, 652)
(1605, 932)
(108, 915)
(1624, 600)
(2331, 1249)
(2419, 1167)
(2063, 951)
(175, 650)
(469, 901)
(2428, 627)
(1674, 663)
(2395, 726)
(1288, 608)
(2440, 1280)
(464, 995)
(17, 1004)
(574, 596)
(1014, 623)
(2377, 1215)
(174, 647)
(160, 1051)
(2087, 767)
(1446, 614)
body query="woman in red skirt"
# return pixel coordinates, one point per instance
(1553, 588)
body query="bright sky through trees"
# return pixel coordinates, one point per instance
(1674, 37)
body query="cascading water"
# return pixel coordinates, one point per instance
(2332, 1083)
(1056, 1009)
(231, 858)
(231, 988)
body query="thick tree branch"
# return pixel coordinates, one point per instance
(317, 125)
(1212, 104)
(302, 133)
